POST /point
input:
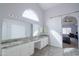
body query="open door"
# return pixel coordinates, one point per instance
(55, 31)
(70, 32)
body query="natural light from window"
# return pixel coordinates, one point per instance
(66, 30)
(30, 15)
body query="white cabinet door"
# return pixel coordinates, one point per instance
(42, 43)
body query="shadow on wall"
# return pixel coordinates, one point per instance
(57, 38)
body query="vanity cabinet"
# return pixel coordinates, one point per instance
(19, 50)
(42, 43)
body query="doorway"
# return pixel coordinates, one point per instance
(70, 32)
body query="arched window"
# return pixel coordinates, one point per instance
(30, 14)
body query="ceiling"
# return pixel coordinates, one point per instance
(46, 6)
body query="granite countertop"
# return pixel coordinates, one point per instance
(15, 43)
(11, 43)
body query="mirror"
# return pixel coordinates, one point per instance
(15, 29)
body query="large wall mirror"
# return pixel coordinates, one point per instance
(14, 29)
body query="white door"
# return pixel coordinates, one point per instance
(0, 36)
(55, 31)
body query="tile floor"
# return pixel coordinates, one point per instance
(71, 52)
(55, 51)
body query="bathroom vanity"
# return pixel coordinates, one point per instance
(18, 48)
(23, 47)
